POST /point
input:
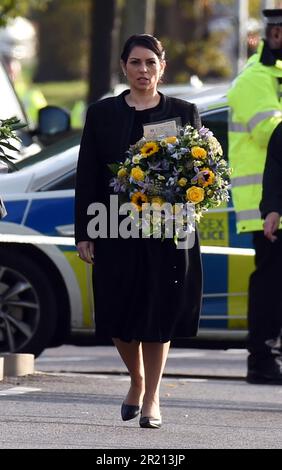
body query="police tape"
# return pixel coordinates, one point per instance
(69, 241)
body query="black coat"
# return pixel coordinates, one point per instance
(272, 177)
(143, 289)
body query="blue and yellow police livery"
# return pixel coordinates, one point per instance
(45, 289)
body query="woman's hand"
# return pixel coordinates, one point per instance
(86, 251)
(270, 225)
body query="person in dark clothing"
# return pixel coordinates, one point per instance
(271, 203)
(271, 212)
(255, 120)
(146, 291)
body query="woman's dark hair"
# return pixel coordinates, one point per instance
(143, 40)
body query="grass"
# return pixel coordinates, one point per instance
(64, 94)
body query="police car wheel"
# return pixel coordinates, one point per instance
(28, 309)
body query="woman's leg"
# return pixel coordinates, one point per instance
(131, 354)
(154, 358)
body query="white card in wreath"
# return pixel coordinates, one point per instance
(160, 130)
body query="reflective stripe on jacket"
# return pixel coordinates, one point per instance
(255, 101)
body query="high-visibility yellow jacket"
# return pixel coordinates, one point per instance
(255, 101)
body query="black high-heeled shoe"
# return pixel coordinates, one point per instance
(149, 422)
(129, 411)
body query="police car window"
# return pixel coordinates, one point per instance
(51, 151)
(64, 182)
(9, 105)
(217, 122)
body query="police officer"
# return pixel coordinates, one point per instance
(255, 101)
(271, 203)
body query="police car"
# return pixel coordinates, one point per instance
(45, 289)
(52, 125)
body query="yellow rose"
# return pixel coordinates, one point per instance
(182, 182)
(137, 174)
(198, 152)
(195, 194)
(121, 173)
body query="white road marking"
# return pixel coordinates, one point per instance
(66, 359)
(51, 359)
(193, 380)
(186, 354)
(18, 391)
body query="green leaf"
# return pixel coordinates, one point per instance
(15, 127)
(114, 167)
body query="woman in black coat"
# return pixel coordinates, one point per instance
(146, 291)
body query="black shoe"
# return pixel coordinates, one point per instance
(148, 422)
(129, 411)
(264, 371)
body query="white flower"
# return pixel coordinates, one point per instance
(137, 158)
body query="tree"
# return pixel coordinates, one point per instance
(136, 17)
(13, 8)
(191, 47)
(139, 17)
(63, 44)
(200, 44)
(112, 22)
(101, 41)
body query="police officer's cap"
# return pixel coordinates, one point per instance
(273, 16)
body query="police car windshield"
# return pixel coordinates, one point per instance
(9, 105)
(50, 151)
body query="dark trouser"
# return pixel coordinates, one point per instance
(265, 295)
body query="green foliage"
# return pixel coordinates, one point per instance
(13, 8)
(8, 128)
(64, 30)
(205, 58)
(64, 94)
(254, 8)
(192, 47)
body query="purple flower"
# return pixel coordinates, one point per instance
(175, 172)
(200, 176)
(146, 185)
(155, 166)
(205, 132)
(116, 185)
(165, 164)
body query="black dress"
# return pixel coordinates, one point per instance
(145, 289)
